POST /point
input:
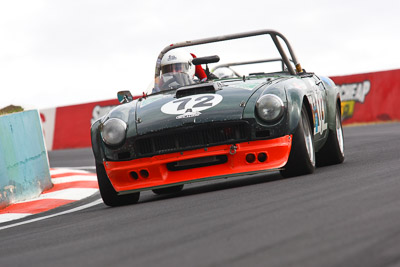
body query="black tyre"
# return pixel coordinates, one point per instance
(333, 150)
(168, 190)
(108, 193)
(302, 155)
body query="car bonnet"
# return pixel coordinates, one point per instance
(165, 111)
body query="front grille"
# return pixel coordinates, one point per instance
(193, 137)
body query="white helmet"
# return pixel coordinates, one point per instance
(177, 60)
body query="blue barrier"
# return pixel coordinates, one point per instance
(24, 165)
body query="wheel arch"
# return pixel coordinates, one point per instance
(96, 142)
(297, 101)
(307, 105)
(332, 101)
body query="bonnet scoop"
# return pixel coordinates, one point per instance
(202, 88)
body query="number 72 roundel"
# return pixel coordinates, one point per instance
(194, 103)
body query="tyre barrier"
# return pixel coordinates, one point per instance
(24, 165)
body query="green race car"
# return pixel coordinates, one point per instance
(186, 129)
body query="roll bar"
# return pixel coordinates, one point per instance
(274, 35)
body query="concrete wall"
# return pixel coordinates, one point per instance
(24, 165)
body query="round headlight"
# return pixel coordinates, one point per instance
(270, 107)
(113, 132)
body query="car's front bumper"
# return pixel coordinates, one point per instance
(130, 176)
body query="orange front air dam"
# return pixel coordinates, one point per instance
(155, 168)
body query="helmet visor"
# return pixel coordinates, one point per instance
(177, 67)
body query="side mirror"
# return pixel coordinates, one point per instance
(205, 60)
(124, 97)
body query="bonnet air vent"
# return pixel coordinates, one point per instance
(202, 88)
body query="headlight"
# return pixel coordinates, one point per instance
(270, 107)
(113, 132)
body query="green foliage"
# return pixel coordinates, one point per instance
(10, 109)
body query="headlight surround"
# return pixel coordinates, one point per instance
(270, 107)
(113, 132)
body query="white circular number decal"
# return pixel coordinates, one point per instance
(194, 103)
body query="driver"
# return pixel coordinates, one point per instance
(177, 61)
(177, 69)
(181, 61)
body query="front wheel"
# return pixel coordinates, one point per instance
(302, 155)
(108, 193)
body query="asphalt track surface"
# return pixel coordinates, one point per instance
(343, 215)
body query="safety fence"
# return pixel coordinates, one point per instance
(370, 97)
(69, 126)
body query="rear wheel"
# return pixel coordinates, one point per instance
(168, 190)
(302, 155)
(333, 150)
(108, 193)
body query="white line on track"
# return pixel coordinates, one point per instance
(74, 178)
(91, 204)
(12, 216)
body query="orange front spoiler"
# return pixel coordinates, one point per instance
(152, 172)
